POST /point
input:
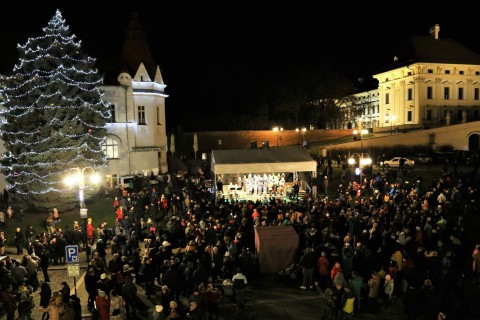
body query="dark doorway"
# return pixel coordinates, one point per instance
(474, 142)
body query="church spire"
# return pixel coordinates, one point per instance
(136, 49)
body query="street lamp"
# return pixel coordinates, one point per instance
(363, 161)
(77, 176)
(277, 130)
(303, 130)
(392, 119)
(362, 132)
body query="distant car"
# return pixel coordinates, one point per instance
(422, 158)
(395, 162)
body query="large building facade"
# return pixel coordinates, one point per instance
(436, 83)
(432, 82)
(137, 140)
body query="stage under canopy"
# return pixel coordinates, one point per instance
(245, 161)
(256, 174)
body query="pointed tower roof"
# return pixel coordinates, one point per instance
(136, 49)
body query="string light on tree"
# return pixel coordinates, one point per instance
(53, 115)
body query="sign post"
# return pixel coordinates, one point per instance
(73, 268)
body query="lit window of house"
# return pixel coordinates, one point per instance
(110, 148)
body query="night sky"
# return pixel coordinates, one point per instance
(211, 52)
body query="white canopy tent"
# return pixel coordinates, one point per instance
(262, 161)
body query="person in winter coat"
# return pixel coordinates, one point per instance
(65, 292)
(336, 268)
(19, 241)
(32, 266)
(45, 297)
(3, 241)
(373, 285)
(44, 263)
(158, 313)
(54, 307)
(105, 284)
(102, 305)
(213, 296)
(307, 262)
(117, 306)
(10, 305)
(25, 307)
(76, 306)
(91, 286)
(327, 305)
(129, 294)
(323, 270)
(347, 259)
(348, 304)
(356, 284)
(388, 288)
(90, 233)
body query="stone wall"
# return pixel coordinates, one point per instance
(208, 141)
(455, 136)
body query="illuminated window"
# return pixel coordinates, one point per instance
(110, 148)
(141, 115)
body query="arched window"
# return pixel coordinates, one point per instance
(110, 148)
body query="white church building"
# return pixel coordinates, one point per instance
(137, 140)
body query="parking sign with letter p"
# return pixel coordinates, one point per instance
(71, 254)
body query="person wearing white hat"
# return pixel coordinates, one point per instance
(166, 244)
(158, 313)
(105, 284)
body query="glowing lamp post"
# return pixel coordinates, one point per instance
(277, 130)
(362, 163)
(361, 132)
(392, 119)
(77, 177)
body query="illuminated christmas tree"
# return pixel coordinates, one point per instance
(53, 119)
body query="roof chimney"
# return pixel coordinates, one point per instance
(434, 31)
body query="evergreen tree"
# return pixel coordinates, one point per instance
(54, 119)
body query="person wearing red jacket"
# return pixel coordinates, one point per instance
(336, 268)
(90, 233)
(323, 266)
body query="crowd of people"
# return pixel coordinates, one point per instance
(383, 238)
